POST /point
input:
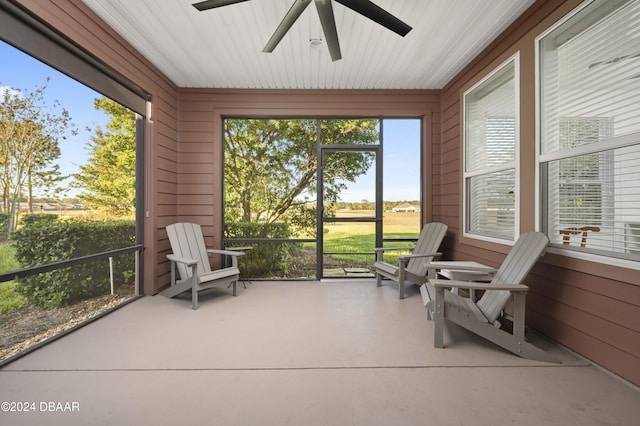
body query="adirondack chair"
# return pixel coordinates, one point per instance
(457, 271)
(482, 317)
(411, 267)
(583, 231)
(191, 258)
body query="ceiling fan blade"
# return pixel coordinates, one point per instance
(377, 14)
(211, 4)
(292, 15)
(328, 22)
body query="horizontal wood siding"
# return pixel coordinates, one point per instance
(592, 308)
(200, 148)
(79, 24)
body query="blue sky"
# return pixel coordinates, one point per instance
(401, 168)
(22, 72)
(401, 140)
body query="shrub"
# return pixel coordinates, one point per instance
(264, 259)
(39, 243)
(38, 219)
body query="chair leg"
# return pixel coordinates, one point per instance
(173, 273)
(427, 301)
(194, 297)
(438, 318)
(518, 314)
(378, 280)
(194, 287)
(401, 278)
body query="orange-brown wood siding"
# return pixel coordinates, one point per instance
(200, 135)
(78, 23)
(592, 308)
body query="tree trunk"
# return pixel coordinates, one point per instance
(30, 192)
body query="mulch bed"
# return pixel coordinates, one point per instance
(23, 328)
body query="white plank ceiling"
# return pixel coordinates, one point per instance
(222, 48)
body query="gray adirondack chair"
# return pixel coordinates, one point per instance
(482, 317)
(191, 258)
(411, 267)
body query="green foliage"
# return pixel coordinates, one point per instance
(8, 260)
(271, 167)
(38, 219)
(64, 240)
(108, 179)
(10, 298)
(30, 130)
(264, 259)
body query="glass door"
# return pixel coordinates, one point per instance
(350, 210)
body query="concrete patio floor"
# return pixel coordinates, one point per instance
(300, 353)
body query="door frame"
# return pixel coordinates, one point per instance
(320, 217)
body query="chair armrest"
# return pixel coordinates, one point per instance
(478, 286)
(233, 255)
(453, 267)
(226, 252)
(412, 256)
(243, 248)
(188, 262)
(380, 249)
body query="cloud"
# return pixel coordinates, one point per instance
(12, 92)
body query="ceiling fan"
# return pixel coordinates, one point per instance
(327, 20)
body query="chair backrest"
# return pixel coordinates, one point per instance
(515, 267)
(187, 242)
(429, 241)
(584, 231)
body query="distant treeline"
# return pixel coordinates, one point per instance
(370, 205)
(65, 200)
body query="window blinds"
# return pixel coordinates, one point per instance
(590, 129)
(490, 155)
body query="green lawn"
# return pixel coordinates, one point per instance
(360, 236)
(9, 298)
(8, 260)
(348, 239)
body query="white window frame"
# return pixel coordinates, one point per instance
(540, 159)
(515, 165)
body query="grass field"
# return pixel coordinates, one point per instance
(351, 237)
(9, 297)
(360, 236)
(8, 260)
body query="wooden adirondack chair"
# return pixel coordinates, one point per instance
(411, 267)
(191, 258)
(482, 317)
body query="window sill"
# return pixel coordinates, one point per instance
(595, 258)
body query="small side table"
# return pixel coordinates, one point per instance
(465, 270)
(242, 249)
(462, 270)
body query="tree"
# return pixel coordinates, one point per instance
(30, 130)
(108, 179)
(271, 166)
